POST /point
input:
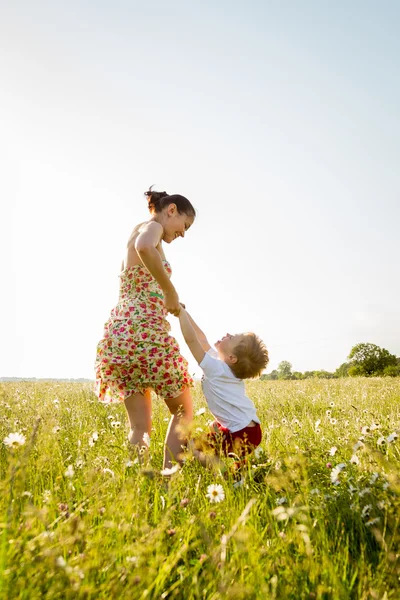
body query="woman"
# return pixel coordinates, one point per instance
(137, 354)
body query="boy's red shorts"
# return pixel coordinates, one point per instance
(240, 442)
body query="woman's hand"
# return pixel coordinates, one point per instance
(171, 301)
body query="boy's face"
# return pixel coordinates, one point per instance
(226, 346)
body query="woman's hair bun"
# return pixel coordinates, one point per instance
(154, 199)
(157, 201)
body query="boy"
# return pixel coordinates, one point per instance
(236, 357)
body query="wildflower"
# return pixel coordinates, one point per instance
(381, 504)
(240, 483)
(366, 510)
(215, 493)
(336, 472)
(201, 411)
(315, 492)
(281, 501)
(13, 440)
(385, 485)
(372, 522)
(61, 562)
(381, 441)
(282, 514)
(130, 463)
(352, 489)
(295, 422)
(132, 559)
(374, 426)
(79, 463)
(284, 421)
(365, 430)
(332, 451)
(329, 465)
(358, 445)
(106, 470)
(146, 439)
(46, 496)
(170, 471)
(364, 491)
(69, 471)
(56, 429)
(257, 452)
(392, 437)
(115, 424)
(184, 502)
(355, 460)
(278, 465)
(332, 404)
(317, 424)
(56, 401)
(333, 421)
(373, 478)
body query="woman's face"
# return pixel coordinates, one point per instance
(175, 224)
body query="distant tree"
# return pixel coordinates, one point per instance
(323, 374)
(284, 370)
(297, 375)
(343, 370)
(392, 371)
(369, 360)
(270, 376)
(308, 374)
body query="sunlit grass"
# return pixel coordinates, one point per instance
(315, 515)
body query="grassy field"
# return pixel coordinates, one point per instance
(316, 514)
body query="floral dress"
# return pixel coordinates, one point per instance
(137, 352)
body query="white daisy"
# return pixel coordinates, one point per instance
(281, 500)
(215, 492)
(392, 437)
(355, 460)
(336, 472)
(358, 445)
(332, 451)
(328, 413)
(332, 404)
(56, 429)
(372, 522)
(365, 430)
(115, 424)
(171, 471)
(106, 470)
(374, 426)
(381, 441)
(373, 478)
(257, 452)
(333, 421)
(69, 472)
(366, 510)
(201, 411)
(13, 440)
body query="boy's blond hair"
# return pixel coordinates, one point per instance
(252, 357)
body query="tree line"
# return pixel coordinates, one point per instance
(365, 359)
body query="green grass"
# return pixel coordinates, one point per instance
(117, 531)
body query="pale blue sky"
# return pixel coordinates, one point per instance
(279, 120)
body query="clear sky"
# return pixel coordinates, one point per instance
(278, 120)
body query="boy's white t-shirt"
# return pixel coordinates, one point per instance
(226, 394)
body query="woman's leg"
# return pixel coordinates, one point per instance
(138, 407)
(181, 409)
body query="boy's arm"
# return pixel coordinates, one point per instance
(190, 336)
(201, 336)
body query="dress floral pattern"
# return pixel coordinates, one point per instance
(137, 352)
